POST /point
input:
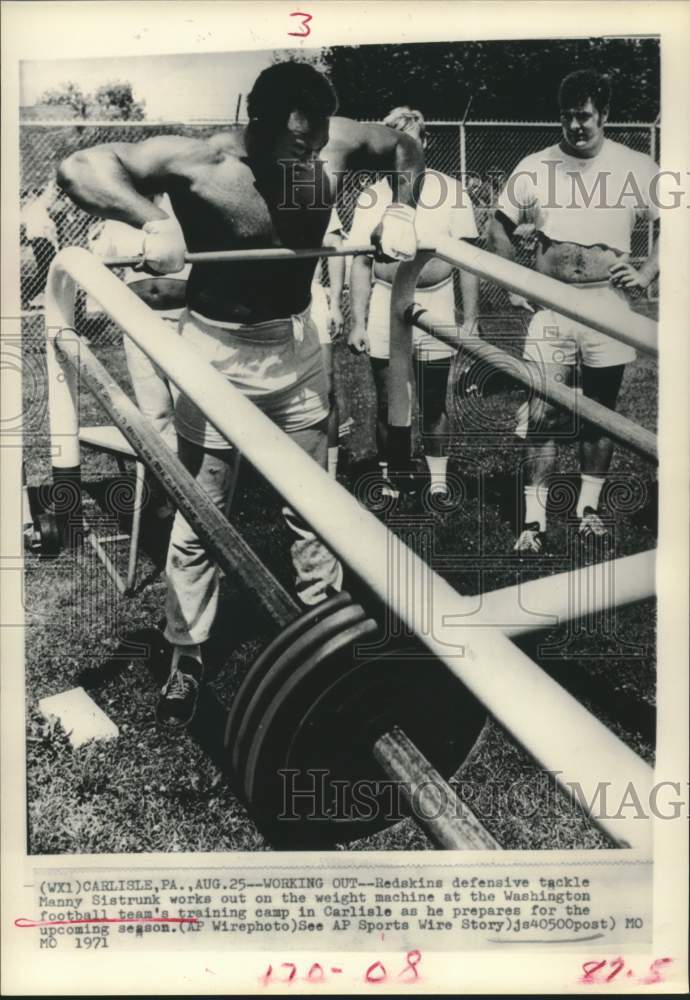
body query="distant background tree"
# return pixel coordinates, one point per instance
(496, 80)
(314, 57)
(113, 101)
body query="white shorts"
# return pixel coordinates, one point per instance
(278, 365)
(439, 299)
(320, 313)
(555, 339)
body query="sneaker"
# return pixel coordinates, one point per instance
(179, 695)
(389, 490)
(531, 539)
(591, 525)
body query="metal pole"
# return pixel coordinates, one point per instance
(430, 799)
(615, 425)
(615, 321)
(219, 537)
(549, 601)
(233, 256)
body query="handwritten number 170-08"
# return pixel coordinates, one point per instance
(376, 973)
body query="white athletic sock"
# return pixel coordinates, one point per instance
(590, 491)
(535, 509)
(192, 651)
(438, 465)
(333, 461)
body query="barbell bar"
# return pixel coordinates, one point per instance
(239, 256)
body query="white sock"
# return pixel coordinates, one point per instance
(332, 460)
(192, 651)
(438, 465)
(522, 417)
(535, 510)
(590, 491)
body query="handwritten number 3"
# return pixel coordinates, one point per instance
(305, 24)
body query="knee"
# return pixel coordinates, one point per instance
(184, 542)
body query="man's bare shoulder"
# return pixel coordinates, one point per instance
(230, 142)
(179, 155)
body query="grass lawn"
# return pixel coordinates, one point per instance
(147, 791)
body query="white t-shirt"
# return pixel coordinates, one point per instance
(587, 201)
(334, 226)
(443, 209)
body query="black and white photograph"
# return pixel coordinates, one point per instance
(340, 492)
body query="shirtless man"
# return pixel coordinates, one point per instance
(271, 183)
(584, 196)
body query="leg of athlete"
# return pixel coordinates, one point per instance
(541, 459)
(192, 587)
(316, 568)
(596, 449)
(379, 369)
(333, 414)
(431, 376)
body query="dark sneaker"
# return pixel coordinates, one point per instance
(531, 539)
(179, 696)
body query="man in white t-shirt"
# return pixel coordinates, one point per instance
(583, 197)
(444, 209)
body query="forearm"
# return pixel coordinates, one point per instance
(408, 171)
(336, 277)
(650, 269)
(469, 287)
(97, 181)
(360, 290)
(499, 240)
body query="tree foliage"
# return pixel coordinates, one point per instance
(500, 80)
(113, 101)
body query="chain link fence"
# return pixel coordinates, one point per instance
(481, 153)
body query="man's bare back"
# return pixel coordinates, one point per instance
(229, 195)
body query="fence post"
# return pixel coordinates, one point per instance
(463, 154)
(650, 224)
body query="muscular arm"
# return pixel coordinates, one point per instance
(360, 289)
(115, 180)
(357, 146)
(336, 267)
(500, 235)
(625, 275)
(650, 268)
(469, 287)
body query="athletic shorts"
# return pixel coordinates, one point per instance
(555, 339)
(439, 299)
(320, 313)
(278, 365)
